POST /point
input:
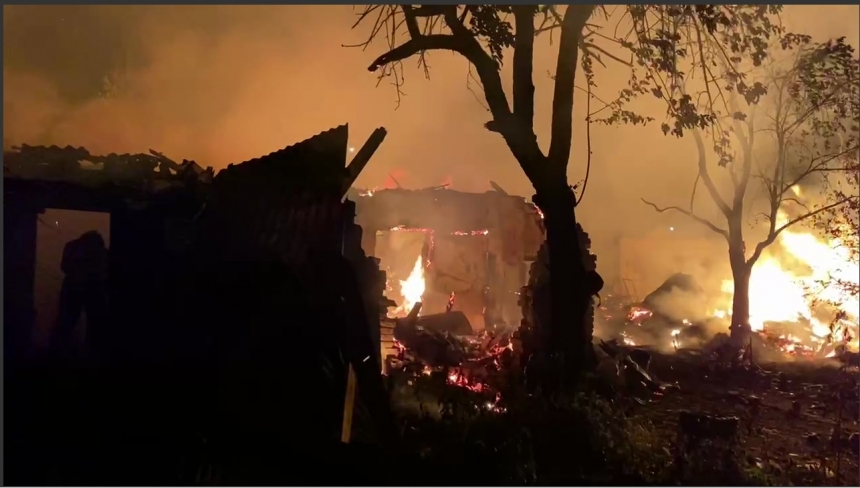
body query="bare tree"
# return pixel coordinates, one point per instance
(484, 35)
(800, 128)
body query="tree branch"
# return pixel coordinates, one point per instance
(821, 167)
(524, 88)
(574, 21)
(427, 10)
(411, 21)
(707, 223)
(520, 140)
(706, 176)
(588, 144)
(747, 143)
(775, 232)
(416, 45)
(587, 46)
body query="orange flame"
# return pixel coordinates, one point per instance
(412, 289)
(780, 292)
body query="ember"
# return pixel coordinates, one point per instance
(638, 314)
(483, 362)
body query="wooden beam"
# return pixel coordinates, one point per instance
(362, 157)
(348, 406)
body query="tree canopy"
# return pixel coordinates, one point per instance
(662, 44)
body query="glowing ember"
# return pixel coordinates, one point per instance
(403, 228)
(538, 210)
(638, 314)
(675, 334)
(471, 233)
(475, 374)
(627, 340)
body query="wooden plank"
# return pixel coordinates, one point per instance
(348, 407)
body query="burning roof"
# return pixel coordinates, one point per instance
(446, 211)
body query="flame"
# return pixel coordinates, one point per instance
(482, 232)
(780, 292)
(626, 339)
(638, 314)
(412, 288)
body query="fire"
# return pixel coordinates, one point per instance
(638, 314)
(775, 295)
(782, 293)
(538, 210)
(627, 340)
(412, 288)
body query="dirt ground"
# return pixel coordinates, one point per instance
(791, 432)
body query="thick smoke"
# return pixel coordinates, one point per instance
(222, 84)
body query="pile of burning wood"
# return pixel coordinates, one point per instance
(445, 345)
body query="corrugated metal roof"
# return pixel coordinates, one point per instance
(318, 161)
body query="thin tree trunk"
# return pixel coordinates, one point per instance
(569, 333)
(741, 271)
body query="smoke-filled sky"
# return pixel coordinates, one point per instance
(222, 84)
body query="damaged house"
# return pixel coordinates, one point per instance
(469, 252)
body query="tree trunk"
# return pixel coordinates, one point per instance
(740, 329)
(569, 335)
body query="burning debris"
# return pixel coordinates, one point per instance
(444, 346)
(801, 302)
(656, 323)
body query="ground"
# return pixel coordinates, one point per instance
(779, 440)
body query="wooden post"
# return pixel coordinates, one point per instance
(348, 406)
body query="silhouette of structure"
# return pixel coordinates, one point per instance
(142, 193)
(241, 308)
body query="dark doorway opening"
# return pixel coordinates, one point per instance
(54, 230)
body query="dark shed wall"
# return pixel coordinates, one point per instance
(141, 287)
(19, 274)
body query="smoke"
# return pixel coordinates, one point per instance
(223, 84)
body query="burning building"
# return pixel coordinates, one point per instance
(451, 249)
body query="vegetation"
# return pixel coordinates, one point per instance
(583, 438)
(658, 38)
